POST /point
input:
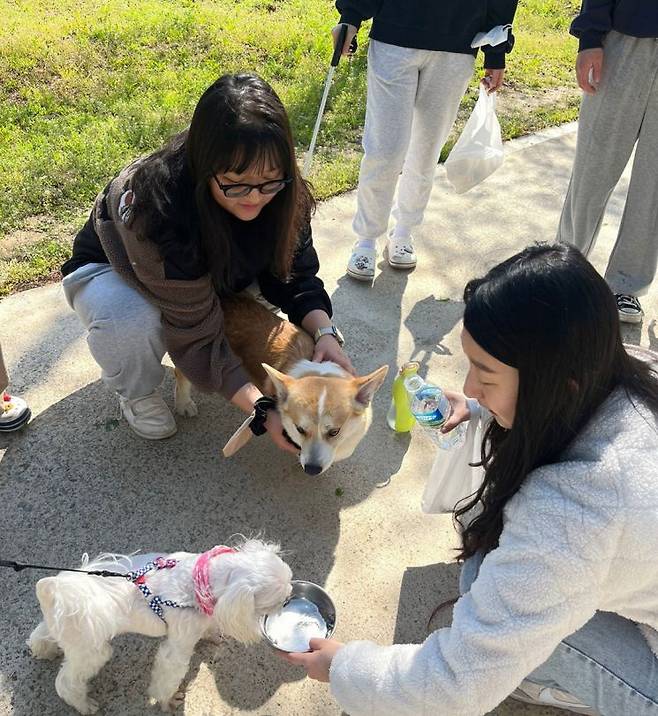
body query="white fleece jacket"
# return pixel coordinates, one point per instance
(581, 535)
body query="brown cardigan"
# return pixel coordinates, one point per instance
(192, 316)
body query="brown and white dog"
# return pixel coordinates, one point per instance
(324, 409)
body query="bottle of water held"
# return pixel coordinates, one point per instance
(399, 416)
(431, 409)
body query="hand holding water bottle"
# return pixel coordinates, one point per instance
(434, 412)
(460, 412)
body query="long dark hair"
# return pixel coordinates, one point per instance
(548, 313)
(238, 124)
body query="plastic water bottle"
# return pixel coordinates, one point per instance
(399, 416)
(431, 409)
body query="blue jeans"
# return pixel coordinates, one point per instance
(607, 664)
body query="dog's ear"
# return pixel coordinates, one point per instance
(281, 382)
(368, 385)
(235, 612)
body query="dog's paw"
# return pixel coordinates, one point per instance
(186, 407)
(174, 702)
(44, 648)
(88, 706)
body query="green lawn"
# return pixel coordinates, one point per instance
(85, 86)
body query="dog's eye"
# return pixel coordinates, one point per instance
(301, 431)
(333, 432)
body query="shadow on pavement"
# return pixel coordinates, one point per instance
(76, 480)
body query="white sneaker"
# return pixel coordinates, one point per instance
(400, 252)
(149, 416)
(531, 693)
(361, 265)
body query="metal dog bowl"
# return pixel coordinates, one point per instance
(308, 613)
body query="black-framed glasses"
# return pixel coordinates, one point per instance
(235, 191)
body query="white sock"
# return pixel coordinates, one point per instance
(366, 244)
(400, 238)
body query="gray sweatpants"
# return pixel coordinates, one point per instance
(124, 331)
(413, 98)
(623, 112)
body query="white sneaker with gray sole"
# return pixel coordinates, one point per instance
(361, 265)
(149, 417)
(400, 252)
(531, 693)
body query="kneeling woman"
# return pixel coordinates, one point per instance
(219, 209)
(559, 585)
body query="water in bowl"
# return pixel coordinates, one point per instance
(295, 625)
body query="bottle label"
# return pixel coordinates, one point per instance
(426, 407)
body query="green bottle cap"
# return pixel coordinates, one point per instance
(409, 368)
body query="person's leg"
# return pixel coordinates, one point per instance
(444, 77)
(392, 81)
(606, 664)
(632, 265)
(584, 663)
(14, 411)
(608, 127)
(125, 337)
(4, 377)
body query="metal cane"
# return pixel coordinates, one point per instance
(338, 49)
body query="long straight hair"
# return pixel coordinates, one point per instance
(548, 313)
(239, 124)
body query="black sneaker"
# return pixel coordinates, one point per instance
(629, 308)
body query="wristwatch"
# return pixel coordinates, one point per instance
(329, 331)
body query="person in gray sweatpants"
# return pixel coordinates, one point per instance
(420, 60)
(617, 69)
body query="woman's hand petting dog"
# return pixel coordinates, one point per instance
(275, 431)
(317, 662)
(328, 349)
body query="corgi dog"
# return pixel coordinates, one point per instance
(325, 410)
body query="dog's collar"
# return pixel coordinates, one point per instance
(205, 599)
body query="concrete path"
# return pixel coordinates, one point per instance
(77, 480)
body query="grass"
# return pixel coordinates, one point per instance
(85, 86)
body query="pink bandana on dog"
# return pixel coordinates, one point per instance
(201, 579)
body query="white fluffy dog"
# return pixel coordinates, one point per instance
(182, 596)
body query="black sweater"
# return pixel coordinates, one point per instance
(251, 246)
(638, 18)
(447, 25)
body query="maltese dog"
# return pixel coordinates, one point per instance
(182, 596)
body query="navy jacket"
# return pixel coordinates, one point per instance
(447, 25)
(638, 18)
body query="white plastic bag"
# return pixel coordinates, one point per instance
(451, 477)
(479, 149)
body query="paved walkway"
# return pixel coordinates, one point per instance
(77, 480)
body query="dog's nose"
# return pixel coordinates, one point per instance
(312, 469)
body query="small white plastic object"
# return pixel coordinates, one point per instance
(479, 150)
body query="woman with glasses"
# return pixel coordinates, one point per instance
(220, 209)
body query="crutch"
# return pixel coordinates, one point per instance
(338, 49)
